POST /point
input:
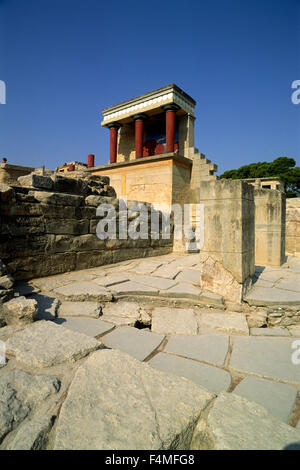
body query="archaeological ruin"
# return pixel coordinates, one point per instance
(181, 288)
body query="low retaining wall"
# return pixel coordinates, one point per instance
(46, 230)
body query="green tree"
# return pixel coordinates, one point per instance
(283, 167)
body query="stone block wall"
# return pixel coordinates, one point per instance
(292, 236)
(49, 227)
(269, 227)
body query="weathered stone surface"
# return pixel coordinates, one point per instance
(112, 279)
(32, 435)
(36, 181)
(257, 319)
(152, 281)
(95, 201)
(224, 322)
(208, 348)
(210, 298)
(20, 394)
(128, 405)
(19, 311)
(178, 321)
(278, 399)
(6, 193)
(80, 291)
(295, 330)
(70, 185)
(130, 311)
(268, 357)
(132, 288)
(215, 278)
(182, 290)
(87, 326)
(234, 423)
(6, 282)
(269, 332)
(10, 330)
(69, 227)
(45, 344)
(167, 271)
(211, 378)
(137, 343)
(189, 275)
(80, 309)
(58, 199)
(270, 296)
(147, 267)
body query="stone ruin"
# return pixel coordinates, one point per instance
(159, 322)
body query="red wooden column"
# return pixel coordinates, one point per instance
(139, 134)
(113, 140)
(170, 126)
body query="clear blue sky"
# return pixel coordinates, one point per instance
(65, 60)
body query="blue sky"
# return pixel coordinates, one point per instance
(63, 61)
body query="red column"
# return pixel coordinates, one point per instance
(170, 129)
(91, 160)
(139, 137)
(113, 140)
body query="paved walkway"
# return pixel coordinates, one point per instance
(276, 285)
(213, 348)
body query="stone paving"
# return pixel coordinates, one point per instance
(276, 285)
(211, 347)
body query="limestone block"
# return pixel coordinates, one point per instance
(178, 321)
(19, 311)
(6, 282)
(143, 402)
(32, 435)
(58, 199)
(36, 181)
(70, 185)
(45, 344)
(6, 193)
(21, 394)
(234, 423)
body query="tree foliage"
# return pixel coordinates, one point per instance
(283, 167)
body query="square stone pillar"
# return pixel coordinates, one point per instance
(269, 227)
(228, 248)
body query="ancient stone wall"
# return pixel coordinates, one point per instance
(292, 238)
(49, 227)
(269, 227)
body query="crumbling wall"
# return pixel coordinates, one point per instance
(292, 237)
(269, 227)
(49, 227)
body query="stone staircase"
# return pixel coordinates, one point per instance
(203, 168)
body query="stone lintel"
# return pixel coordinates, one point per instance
(151, 103)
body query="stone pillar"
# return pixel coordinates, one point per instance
(113, 128)
(170, 126)
(269, 227)
(228, 248)
(139, 134)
